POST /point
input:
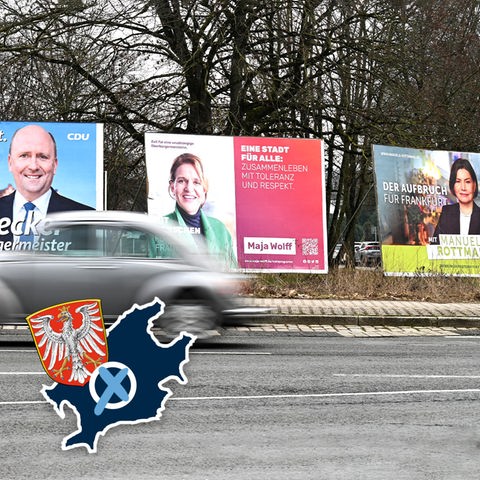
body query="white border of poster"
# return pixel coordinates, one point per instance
(268, 192)
(79, 173)
(413, 191)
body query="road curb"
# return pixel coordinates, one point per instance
(360, 313)
(369, 320)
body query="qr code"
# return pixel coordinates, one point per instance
(310, 246)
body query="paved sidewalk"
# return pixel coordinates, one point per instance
(348, 318)
(363, 318)
(352, 330)
(367, 312)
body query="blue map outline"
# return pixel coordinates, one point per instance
(131, 342)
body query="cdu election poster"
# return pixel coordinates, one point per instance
(428, 213)
(258, 203)
(46, 167)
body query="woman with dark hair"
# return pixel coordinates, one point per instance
(188, 186)
(463, 217)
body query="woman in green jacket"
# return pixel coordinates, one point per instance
(188, 187)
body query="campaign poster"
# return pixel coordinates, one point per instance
(268, 193)
(429, 218)
(55, 166)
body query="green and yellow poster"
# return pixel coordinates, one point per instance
(428, 213)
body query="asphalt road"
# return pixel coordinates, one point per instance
(260, 406)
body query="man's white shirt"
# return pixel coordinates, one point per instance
(39, 212)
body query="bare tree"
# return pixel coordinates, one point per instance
(351, 72)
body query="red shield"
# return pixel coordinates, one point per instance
(70, 339)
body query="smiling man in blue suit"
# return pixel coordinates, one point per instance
(32, 160)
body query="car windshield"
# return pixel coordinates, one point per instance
(99, 240)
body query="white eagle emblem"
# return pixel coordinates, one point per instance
(77, 344)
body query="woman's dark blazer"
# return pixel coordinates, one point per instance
(449, 222)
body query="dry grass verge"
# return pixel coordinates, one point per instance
(358, 284)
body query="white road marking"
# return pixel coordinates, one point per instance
(462, 337)
(299, 395)
(26, 402)
(382, 375)
(373, 375)
(17, 350)
(230, 353)
(22, 373)
(192, 352)
(329, 395)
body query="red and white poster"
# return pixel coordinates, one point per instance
(259, 202)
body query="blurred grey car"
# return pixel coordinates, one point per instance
(121, 258)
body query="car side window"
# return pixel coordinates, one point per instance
(70, 240)
(126, 243)
(164, 249)
(92, 240)
(131, 242)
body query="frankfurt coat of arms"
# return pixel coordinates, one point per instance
(70, 339)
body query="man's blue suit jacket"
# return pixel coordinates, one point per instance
(58, 203)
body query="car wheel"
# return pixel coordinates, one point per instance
(192, 317)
